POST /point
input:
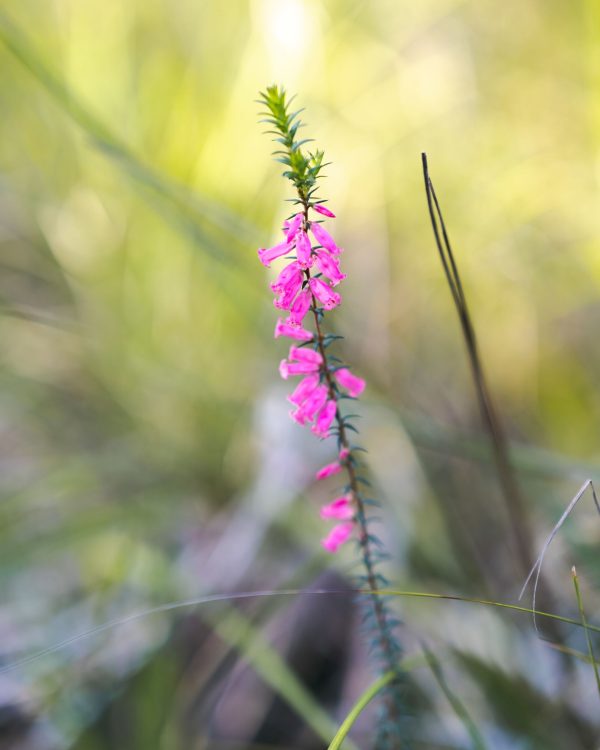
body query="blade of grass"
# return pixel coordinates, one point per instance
(364, 700)
(457, 705)
(585, 626)
(514, 504)
(197, 601)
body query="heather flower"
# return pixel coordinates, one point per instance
(307, 410)
(352, 383)
(329, 470)
(304, 389)
(321, 209)
(293, 226)
(329, 266)
(303, 249)
(337, 536)
(288, 294)
(305, 355)
(291, 331)
(266, 255)
(341, 508)
(323, 237)
(288, 275)
(325, 419)
(324, 293)
(296, 368)
(306, 284)
(300, 306)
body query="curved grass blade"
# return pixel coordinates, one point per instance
(584, 623)
(342, 733)
(457, 705)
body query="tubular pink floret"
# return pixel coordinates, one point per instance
(329, 267)
(293, 226)
(323, 210)
(303, 390)
(296, 368)
(329, 470)
(266, 255)
(287, 275)
(310, 406)
(323, 237)
(291, 331)
(303, 249)
(288, 294)
(324, 293)
(352, 383)
(344, 453)
(340, 508)
(300, 306)
(305, 355)
(337, 536)
(325, 419)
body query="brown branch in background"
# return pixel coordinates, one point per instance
(520, 528)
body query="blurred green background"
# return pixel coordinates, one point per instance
(146, 451)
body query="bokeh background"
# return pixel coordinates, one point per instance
(146, 452)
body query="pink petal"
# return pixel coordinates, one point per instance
(303, 250)
(300, 306)
(304, 389)
(293, 332)
(353, 384)
(325, 419)
(323, 237)
(293, 226)
(287, 275)
(325, 294)
(329, 470)
(321, 209)
(307, 410)
(266, 255)
(340, 508)
(295, 368)
(303, 354)
(337, 536)
(329, 267)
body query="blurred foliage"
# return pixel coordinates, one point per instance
(147, 454)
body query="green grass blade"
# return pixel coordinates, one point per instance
(358, 707)
(457, 705)
(586, 628)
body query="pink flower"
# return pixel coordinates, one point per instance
(304, 389)
(300, 306)
(307, 410)
(294, 332)
(329, 267)
(325, 294)
(303, 249)
(266, 255)
(324, 420)
(305, 355)
(286, 276)
(321, 209)
(337, 536)
(288, 294)
(340, 508)
(293, 226)
(296, 368)
(323, 237)
(344, 453)
(329, 470)
(353, 384)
